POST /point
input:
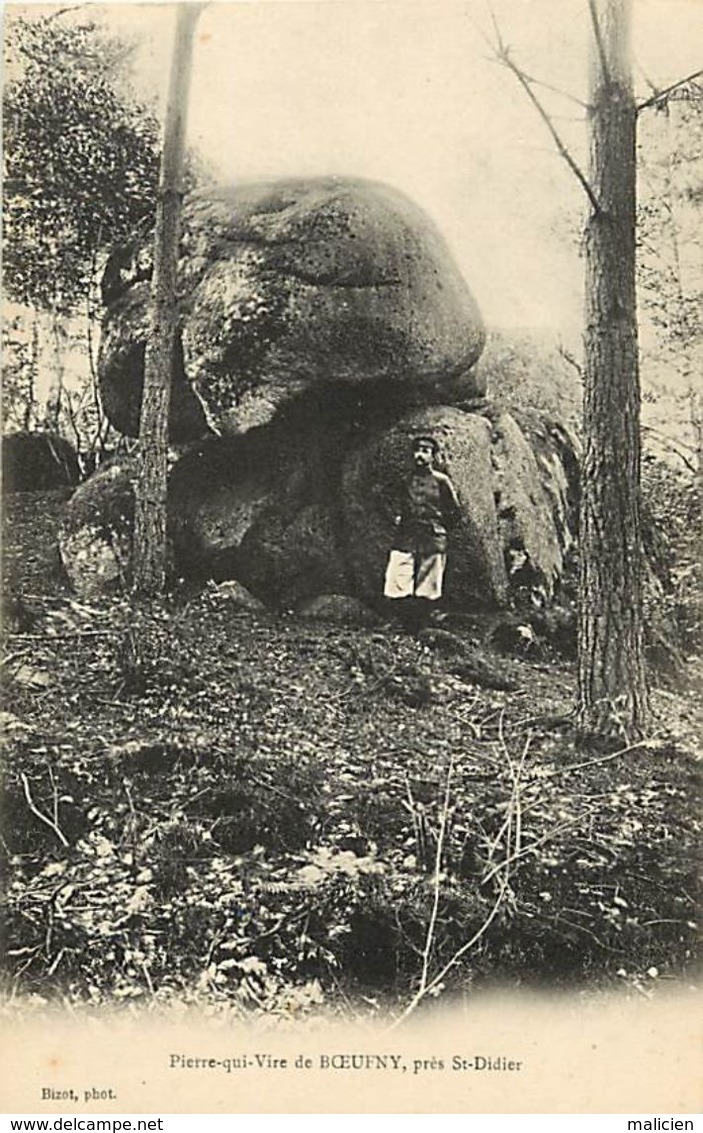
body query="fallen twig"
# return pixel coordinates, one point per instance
(435, 983)
(55, 636)
(56, 961)
(13, 656)
(601, 758)
(43, 818)
(429, 939)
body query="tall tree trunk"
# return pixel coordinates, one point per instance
(612, 685)
(30, 410)
(680, 319)
(54, 397)
(90, 312)
(150, 534)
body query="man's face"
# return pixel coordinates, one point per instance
(423, 454)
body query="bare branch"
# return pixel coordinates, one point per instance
(435, 983)
(63, 12)
(646, 78)
(514, 851)
(659, 95)
(505, 58)
(673, 446)
(34, 809)
(570, 767)
(516, 854)
(598, 34)
(429, 940)
(530, 78)
(501, 52)
(559, 91)
(568, 357)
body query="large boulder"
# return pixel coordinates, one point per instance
(251, 508)
(95, 537)
(295, 509)
(531, 368)
(372, 476)
(293, 286)
(515, 528)
(557, 451)
(34, 462)
(259, 508)
(121, 371)
(531, 503)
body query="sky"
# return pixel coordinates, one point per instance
(407, 92)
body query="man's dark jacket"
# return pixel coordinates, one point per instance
(429, 507)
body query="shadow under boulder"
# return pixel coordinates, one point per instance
(304, 507)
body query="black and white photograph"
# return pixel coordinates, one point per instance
(351, 555)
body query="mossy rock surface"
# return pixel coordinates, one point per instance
(305, 506)
(95, 535)
(290, 286)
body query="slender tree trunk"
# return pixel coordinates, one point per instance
(30, 411)
(695, 404)
(680, 318)
(612, 685)
(150, 529)
(52, 417)
(90, 309)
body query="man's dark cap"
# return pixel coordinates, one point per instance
(424, 438)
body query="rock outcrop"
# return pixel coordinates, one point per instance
(372, 476)
(293, 286)
(34, 462)
(295, 511)
(323, 325)
(95, 539)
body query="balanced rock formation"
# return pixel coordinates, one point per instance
(295, 510)
(34, 462)
(290, 287)
(323, 324)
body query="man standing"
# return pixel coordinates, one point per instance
(416, 564)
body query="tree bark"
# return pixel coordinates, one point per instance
(150, 528)
(90, 309)
(54, 397)
(30, 412)
(612, 683)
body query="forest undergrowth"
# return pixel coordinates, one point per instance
(261, 815)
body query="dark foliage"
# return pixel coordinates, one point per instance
(82, 158)
(673, 499)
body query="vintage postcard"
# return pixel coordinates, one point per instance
(351, 556)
